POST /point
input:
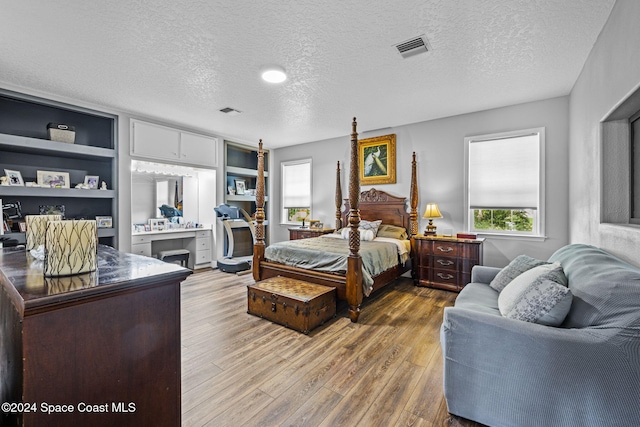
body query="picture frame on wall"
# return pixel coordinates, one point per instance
(53, 179)
(14, 177)
(241, 186)
(377, 160)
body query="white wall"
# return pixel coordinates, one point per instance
(439, 146)
(610, 74)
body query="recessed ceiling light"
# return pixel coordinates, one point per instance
(274, 74)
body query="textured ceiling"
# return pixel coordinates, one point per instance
(181, 61)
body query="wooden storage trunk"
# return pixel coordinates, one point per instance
(293, 303)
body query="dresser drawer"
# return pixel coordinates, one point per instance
(203, 256)
(141, 249)
(203, 234)
(140, 239)
(445, 277)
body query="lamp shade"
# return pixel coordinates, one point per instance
(432, 211)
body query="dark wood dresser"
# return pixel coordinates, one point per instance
(445, 262)
(102, 346)
(305, 233)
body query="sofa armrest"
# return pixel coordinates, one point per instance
(483, 274)
(500, 371)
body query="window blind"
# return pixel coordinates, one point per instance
(505, 173)
(296, 185)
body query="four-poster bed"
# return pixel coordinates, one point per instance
(370, 205)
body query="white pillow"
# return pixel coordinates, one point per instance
(364, 234)
(538, 295)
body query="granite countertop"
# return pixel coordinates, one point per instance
(22, 278)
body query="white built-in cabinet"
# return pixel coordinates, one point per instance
(151, 141)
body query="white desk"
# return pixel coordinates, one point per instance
(195, 240)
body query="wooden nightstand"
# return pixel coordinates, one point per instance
(305, 233)
(445, 262)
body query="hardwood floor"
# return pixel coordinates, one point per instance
(240, 370)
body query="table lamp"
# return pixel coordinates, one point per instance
(430, 213)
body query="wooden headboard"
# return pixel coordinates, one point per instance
(376, 204)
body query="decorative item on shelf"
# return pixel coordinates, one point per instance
(241, 186)
(231, 190)
(91, 181)
(61, 133)
(71, 247)
(36, 227)
(53, 179)
(103, 186)
(158, 224)
(23, 227)
(104, 221)
(14, 177)
(4, 180)
(52, 210)
(377, 160)
(432, 211)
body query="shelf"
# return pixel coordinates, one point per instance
(20, 191)
(232, 170)
(25, 144)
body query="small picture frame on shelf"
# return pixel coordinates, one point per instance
(53, 179)
(104, 222)
(241, 186)
(158, 224)
(52, 210)
(23, 227)
(147, 227)
(14, 177)
(91, 181)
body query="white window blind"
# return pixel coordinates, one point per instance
(504, 173)
(296, 184)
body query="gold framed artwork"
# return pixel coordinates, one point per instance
(377, 160)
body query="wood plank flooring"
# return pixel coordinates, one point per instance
(240, 370)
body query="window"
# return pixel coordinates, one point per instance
(296, 191)
(635, 169)
(505, 183)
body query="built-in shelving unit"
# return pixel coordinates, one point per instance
(25, 147)
(241, 164)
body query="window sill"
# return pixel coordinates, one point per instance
(504, 236)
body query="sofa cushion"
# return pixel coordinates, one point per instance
(534, 297)
(545, 302)
(517, 266)
(605, 289)
(478, 297)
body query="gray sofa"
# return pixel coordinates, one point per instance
(586, 372)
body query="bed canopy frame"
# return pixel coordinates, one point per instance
(370, 205)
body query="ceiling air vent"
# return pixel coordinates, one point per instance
(413, 47)
(230, 111)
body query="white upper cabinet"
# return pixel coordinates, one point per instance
(198, 149)
(152, 141)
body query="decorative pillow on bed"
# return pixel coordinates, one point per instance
(539, 295)
(364, 234)
(370, 225)
(392, 231)
(517, 266)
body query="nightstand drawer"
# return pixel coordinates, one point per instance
(445, 263)
(445, 248)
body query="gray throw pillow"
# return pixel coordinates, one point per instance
(544, 301)
(517, 266)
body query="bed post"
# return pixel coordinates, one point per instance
(354, 262)
(413, 213)
(258, 246)
(338, 199)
